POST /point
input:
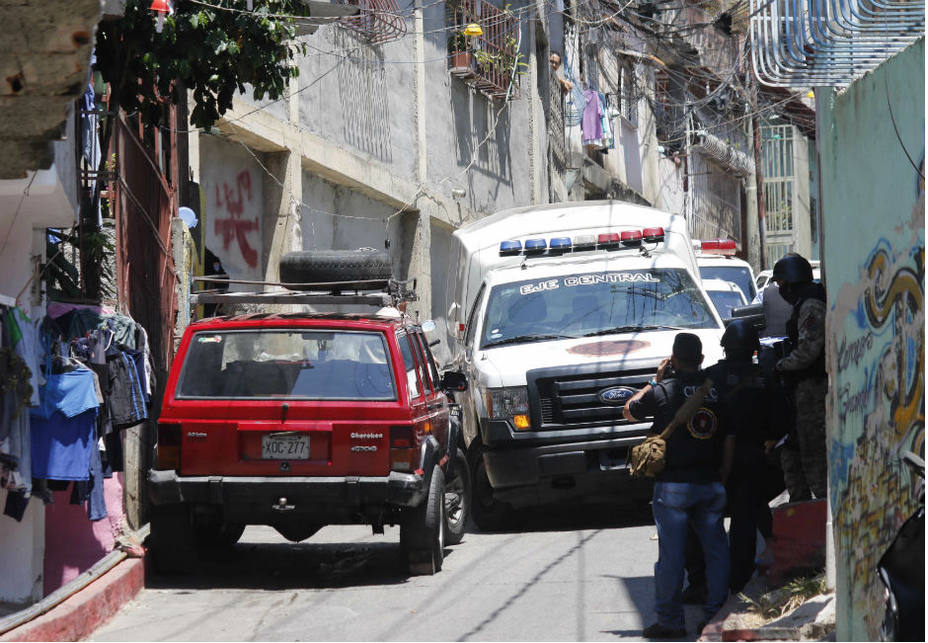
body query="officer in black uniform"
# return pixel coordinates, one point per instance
(748, 406)
(804, 459)
(749, 403)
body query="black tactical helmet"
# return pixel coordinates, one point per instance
(741, 336)
(792, 269)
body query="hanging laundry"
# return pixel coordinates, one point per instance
(126, 404)
(63, 426)
(591, 125)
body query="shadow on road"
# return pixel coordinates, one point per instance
(307, 565)
(571, 517)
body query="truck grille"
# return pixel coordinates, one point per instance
(571, 399)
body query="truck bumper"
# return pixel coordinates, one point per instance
(541, 473)
(258, 499)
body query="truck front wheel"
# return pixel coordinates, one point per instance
(489, 514)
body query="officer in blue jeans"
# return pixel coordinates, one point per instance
(691, 488)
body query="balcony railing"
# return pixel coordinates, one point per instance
(556, 120)
(378, 22)
(486, 62)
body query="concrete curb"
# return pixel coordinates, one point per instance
(80, 615)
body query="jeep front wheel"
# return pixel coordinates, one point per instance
(422, 533)
(457, 498)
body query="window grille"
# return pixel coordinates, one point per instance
(777, 161)
(380, 21)
(629, 97)
(556, 119)
(493, 55)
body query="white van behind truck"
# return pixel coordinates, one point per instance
(558, 314)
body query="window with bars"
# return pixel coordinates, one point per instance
(628, 93)
(486, 62)
(777, 162)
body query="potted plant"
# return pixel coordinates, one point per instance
(461, 58)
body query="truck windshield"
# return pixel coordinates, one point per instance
(738, 275)
(725, 301)
(595, 303)
(290, 364)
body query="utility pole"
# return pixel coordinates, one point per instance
(758, 177)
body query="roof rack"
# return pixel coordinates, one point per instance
(389, 293)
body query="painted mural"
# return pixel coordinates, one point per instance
(877, 358)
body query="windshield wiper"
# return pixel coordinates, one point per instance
(630, 329)
(519, 339)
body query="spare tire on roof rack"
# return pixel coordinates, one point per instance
(362, 269)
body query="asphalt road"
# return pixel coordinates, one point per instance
(567, 575)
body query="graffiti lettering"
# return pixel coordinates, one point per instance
(852, 354)
(853, 403)
(234, 226)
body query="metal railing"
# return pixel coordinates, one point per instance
(379, 21)
(493, 55)
(556, 136)
(804, 43)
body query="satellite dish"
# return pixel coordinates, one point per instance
(188, 215)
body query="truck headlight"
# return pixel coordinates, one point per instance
(510, 403)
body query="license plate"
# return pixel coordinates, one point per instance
(285, 447)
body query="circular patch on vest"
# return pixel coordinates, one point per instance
(703, 424)
(618, 347)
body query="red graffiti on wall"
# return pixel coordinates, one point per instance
(234, 226)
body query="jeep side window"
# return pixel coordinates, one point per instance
(430, 362)
(409, 363)
(428, 382)
(472, 318)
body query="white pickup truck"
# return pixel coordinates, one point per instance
(558, 314)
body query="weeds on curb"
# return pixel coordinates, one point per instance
(778, 602)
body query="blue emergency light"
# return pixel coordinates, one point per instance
(560, 244)
(510, 247)
(535, 245)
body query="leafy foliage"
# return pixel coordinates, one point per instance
(212, 51)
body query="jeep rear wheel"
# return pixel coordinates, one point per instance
(489, 514)
(218, 534)
(172, 540)
(422, 533)
(457, 498)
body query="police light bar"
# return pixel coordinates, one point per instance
(510, 247)
(560, 244)
(653, 235)
(608, 240)
(584, 241)
(534, 246)
(719, 246)
(631, 238)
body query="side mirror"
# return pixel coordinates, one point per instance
(454, 381)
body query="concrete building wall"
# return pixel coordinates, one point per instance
(874, 257)
(232, 182)
(27, 206)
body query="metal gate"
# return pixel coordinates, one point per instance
(779, 189)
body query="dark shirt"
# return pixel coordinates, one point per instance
(694, 449)
(751, 405)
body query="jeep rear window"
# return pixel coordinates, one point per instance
(594, 303)
(287, 364)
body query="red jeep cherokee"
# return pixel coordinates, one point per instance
(298, 421)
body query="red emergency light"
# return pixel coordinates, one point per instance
(631, 238)
(607, 239)
(653, 235)
(719, 246)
